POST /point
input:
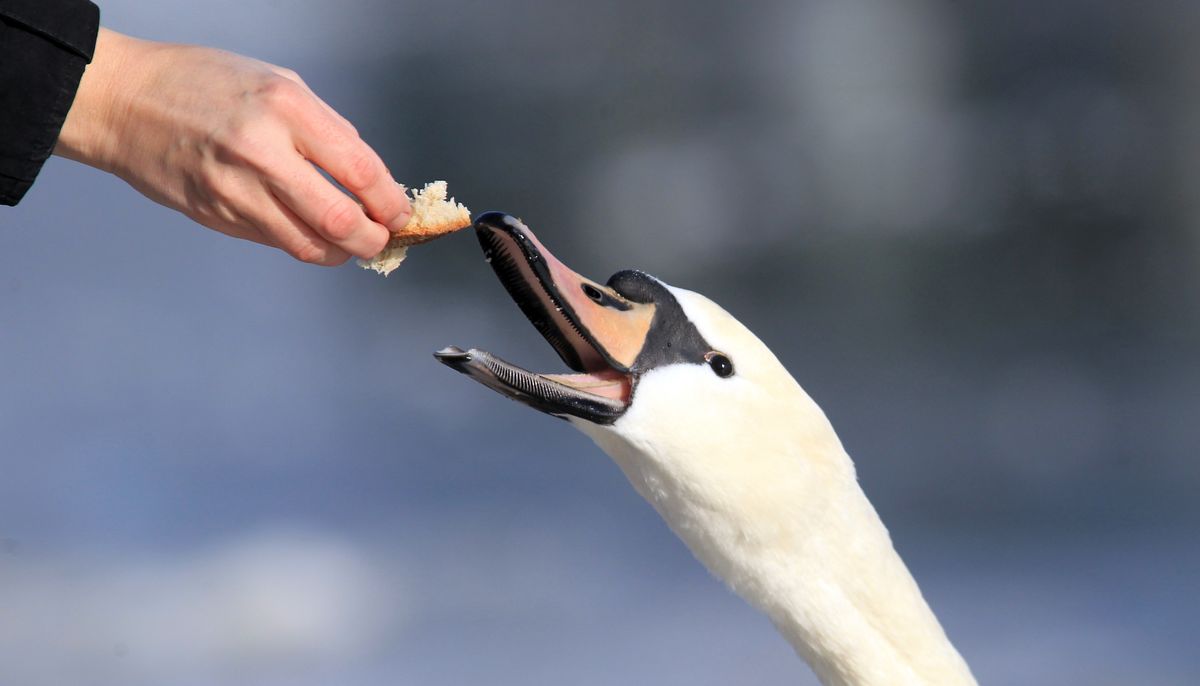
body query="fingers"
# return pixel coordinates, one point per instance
(330, 142)
(245, 209)
(295, 237)
(288, 235)
(329, 212)
(306, 215)
(319, 216)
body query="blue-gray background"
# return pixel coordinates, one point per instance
(970, 229)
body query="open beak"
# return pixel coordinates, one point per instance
(597, 332)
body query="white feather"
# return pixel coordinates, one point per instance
(749, 473)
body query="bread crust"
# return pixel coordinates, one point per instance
(435, 214)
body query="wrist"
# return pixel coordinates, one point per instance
(90, 131)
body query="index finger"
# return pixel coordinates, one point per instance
(334, 146)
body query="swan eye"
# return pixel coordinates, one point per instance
(721, 365)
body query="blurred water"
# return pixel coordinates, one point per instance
(967, 228)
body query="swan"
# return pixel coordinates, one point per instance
(713, 432)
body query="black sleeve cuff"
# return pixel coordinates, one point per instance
(44, 47)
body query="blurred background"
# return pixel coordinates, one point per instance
(970, 229)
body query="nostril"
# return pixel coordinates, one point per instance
(593, 293)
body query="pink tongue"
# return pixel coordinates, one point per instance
(607, 383)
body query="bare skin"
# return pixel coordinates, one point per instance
(231, 142)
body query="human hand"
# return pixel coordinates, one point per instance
(231, 142)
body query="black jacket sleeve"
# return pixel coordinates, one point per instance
(44, 47)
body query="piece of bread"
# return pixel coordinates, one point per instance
(434, 215)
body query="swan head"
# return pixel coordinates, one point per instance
(693, 407)
(618, 338)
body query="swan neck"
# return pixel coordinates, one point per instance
(857, 617)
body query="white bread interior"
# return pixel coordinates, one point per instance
(434, 215)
